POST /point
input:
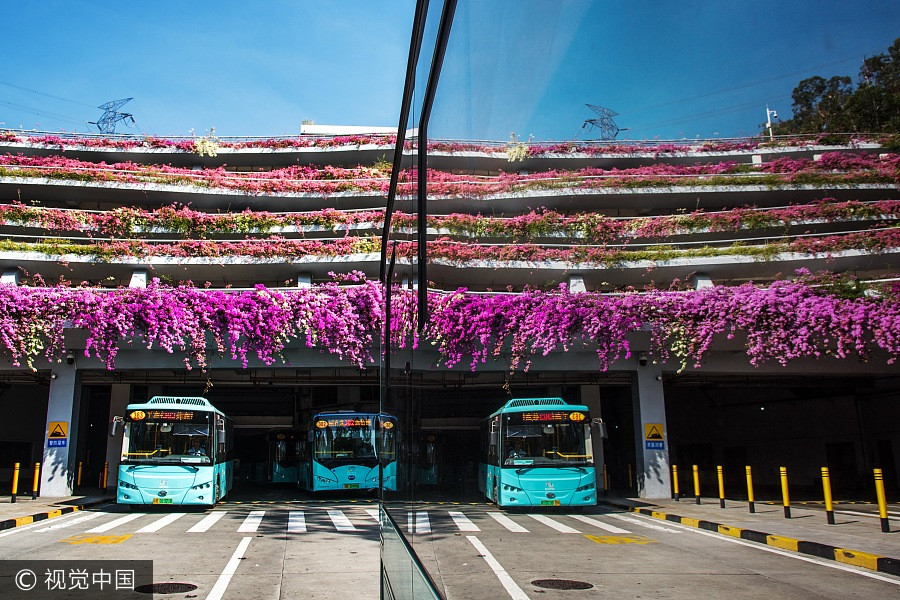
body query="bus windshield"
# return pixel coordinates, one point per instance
(344, 440)
(547, 444)
(164, 441)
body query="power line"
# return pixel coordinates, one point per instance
(24, 89)
(34, 111)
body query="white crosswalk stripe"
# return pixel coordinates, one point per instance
(251, 523)
(71, 522)
(115, 523)
(208, 521)
(160, 523)
(340, 520)
(373, 512)
(463, 522)
(296, 522)
(507, 522)
(600, 524)
(423, 524)
(554, 524)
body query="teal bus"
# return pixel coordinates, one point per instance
(176, 450)
(537, 452)
(347, 449)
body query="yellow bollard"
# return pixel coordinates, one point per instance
(826, 488)
(882, 504)
(105, 476)
(697, 484)
(78, 477)
(721, 477)
(605, 480)
(675, 481)
(36, 481)
(786, 499)
(15, 482)
(630, 478)
(750, 488)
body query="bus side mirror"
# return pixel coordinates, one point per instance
(600, 428)
(495, 438)
(115, 425)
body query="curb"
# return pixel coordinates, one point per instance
(43, 516)
(866, 560)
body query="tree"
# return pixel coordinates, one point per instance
(833, 105)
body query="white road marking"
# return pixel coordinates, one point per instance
(160, 523)
(463, 522)
(296, 522)
(819, 561)
(251, 523)
(373, 512)
(115, 523)
(507, 522)
(600, 524)
(515, 592)
(225, 578)
(641, 523)
(895, 516)
(208, 521)
(340, 520)
(70, 522)
(554, 524)
(423, 524)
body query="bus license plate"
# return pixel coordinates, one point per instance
(351, 486)
(162, 501)
(549, 502)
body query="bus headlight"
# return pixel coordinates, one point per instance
(588, 486)
(511, 488)
(201, 486)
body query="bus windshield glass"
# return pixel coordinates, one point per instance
(546, 438)
(160, 437)
(344, 440)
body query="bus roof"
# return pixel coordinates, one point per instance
(527, 404)
(175, 403)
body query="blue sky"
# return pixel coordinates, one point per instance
(527, 67)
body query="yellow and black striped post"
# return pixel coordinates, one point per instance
(675, 482)
(750, 488)
(36, 481)
(882, 504)
(15, 482)
(105, 475)
(826, 488)
(785, 497)
(697, 484)
(721, 477)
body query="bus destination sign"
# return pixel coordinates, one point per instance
(552, 416)
(352, 422)
(162, 415)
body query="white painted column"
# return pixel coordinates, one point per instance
(120, 394)
(590, 397)
(653, 475)
(63, 406)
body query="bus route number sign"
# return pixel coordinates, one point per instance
(552, 416)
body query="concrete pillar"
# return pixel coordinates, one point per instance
(304, 280)
(120, 394)
(702, 280)
(576, 284)
(63, 407)
(590, 397)
(138, 279)
(654, 478)
(10, 276)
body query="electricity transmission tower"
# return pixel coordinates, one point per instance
(107, 121)
(604, 122)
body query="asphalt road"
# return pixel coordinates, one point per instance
(330, 550)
